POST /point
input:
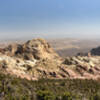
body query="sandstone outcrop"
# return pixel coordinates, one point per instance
(32, 49)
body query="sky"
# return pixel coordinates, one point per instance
(49, 18)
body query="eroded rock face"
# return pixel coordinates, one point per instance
(33, 59)
(40, 49)
(83, 66)
(32, 49)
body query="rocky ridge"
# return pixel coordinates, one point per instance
(95, 51)
(32, 49)
(36, 59)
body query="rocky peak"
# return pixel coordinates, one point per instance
(32, 49)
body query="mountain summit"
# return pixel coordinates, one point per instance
(32, 49)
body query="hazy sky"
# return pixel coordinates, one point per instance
(49, 18)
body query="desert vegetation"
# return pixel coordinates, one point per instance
(12, 88)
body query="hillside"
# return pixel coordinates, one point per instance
(12, 88)
(36, 59)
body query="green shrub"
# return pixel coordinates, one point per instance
(67, 96)
(12, 88)
(95, 97)
(45, 95)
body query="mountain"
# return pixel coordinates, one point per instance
(36, 59)
(32, 49)
(95, 51)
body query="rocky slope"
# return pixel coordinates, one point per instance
(36, 59)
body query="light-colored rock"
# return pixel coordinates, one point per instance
(36, 59)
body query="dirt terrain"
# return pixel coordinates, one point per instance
(70, 47)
